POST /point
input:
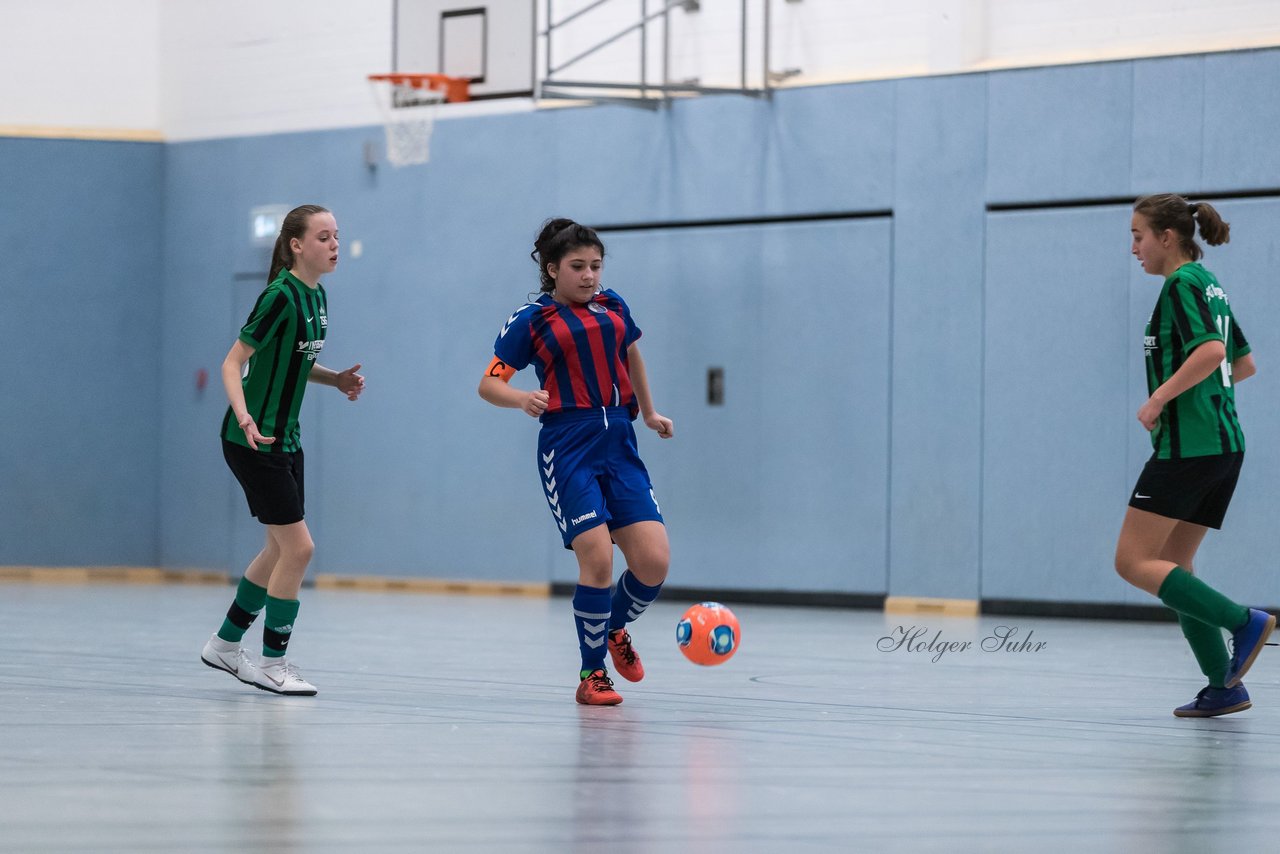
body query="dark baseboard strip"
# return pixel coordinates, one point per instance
(875, 601)
(1077, 610)
(801, 598)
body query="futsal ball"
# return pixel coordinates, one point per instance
(708, 634)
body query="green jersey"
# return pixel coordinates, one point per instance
(1191, 310)
(286, 329)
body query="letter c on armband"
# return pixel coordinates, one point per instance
(500, 369)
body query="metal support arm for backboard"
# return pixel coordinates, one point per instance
(646, 94)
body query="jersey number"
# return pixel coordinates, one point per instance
(1224, 327)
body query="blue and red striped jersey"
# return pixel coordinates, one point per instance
(579, 352)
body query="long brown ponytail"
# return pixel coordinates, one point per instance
(1170, 211)
(294, 225)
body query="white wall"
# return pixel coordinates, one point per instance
(239, 67)
(86, 65)
(842, 40)
(1022, 32)
(192, 69)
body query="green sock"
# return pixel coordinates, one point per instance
(277, 626)
(1186, 594)
(248, 602)
(1208, 647)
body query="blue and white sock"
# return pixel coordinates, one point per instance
(591, 617)
(630, 599)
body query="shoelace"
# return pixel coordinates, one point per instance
(624, 648)
(286, 671)
(290, 670)
(600, 681)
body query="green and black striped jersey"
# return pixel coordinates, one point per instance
(1191, 310)
(286, 329)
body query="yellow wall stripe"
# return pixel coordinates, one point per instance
(99, 134)
(153, 575)
(924, 605)
(116, 574)
(431, 585)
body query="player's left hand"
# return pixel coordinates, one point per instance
(662, 424)
(1149, 413)
(349, 382)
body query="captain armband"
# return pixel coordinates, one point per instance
(500, 369)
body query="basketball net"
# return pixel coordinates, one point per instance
(408, 117)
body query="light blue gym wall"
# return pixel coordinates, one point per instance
(1063, 384)
(934, 509)
(811, 472)
(1066, 305)
(936, 402)
(427, 478)
(79, 314)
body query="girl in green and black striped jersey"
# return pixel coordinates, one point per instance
(1196, 354)
(260, 441)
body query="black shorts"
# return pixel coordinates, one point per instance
(272, 482)
(1195, 489)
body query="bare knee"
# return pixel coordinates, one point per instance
(651, 567)
(296, 552)
(1143, 571)
(594, 577)
(647, 550)
(1126, 566)
(594, 551)
(271, 552)
(595, 570)
(304, 551)
(1144, 537)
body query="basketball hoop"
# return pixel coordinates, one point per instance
(408, 104)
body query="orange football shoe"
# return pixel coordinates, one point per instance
(625, 659)
(596, 689)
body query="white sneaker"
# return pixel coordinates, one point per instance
(228, 656)
(281, 677)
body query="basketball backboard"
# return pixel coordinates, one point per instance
(489, 43)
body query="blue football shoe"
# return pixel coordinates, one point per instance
(1246, 642)
(1211, 702)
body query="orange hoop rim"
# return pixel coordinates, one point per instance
(455, 89)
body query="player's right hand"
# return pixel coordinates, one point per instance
(252, 436)
(536, 403)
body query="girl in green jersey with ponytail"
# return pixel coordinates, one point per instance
(260, 441)
(1195, 354)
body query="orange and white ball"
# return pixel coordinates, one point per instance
(708, 634)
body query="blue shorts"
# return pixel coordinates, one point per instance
(591, 471)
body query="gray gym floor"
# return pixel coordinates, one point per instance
(447, 723)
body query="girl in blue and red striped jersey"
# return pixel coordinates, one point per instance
(581, 341)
